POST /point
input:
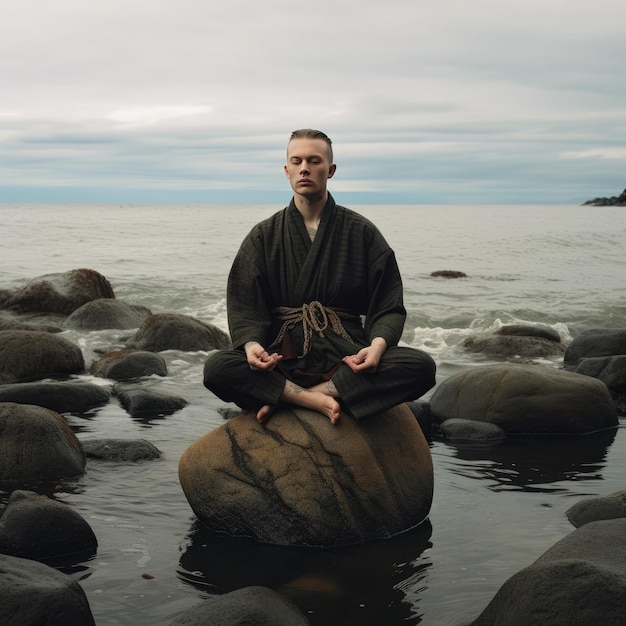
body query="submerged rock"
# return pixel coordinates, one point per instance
(254, 606)
(37, 444)
(37, 527)
(526, 399)
(62, 397)
(34, 593)
(27, 355)
(146, 403)
(594, 509)
(129, 364)
(120, 449)
(298, 480)
(580, 580)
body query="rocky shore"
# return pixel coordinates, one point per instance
(612, 201)
(372, 483)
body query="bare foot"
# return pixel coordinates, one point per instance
(265, 412)
(312, 399)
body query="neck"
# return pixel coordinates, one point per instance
(311, 209)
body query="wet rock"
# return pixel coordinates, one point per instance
(13, 322)
(298, 480)
(40, 528)
(105, 313)
(471, 430)
(60, 293)
(513, 346)
(448, 274)
(525, 330)
(579, 580)
(593, 509)
(594, 343)
(173, 331)
(27, 355)
(124, 450)
(129, 364)
(36, 594)
(529, 399)
(62, 397)
(37, 444)
(255, 606)
(146, 403)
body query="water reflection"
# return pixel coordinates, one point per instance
(364, 584)
(536, 463)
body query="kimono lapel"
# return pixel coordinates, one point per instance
(309, 282)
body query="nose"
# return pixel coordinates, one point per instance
(304, 168)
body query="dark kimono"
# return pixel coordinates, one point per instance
(350, 273)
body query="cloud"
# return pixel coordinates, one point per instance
(440, 100)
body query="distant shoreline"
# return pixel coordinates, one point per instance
(612, 201)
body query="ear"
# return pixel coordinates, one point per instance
(286, 171)
(332, 170)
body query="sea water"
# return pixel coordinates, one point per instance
(495, 508)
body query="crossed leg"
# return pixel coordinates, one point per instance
(320, 397)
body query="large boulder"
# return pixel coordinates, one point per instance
(37, 527)
(60, 293)
(252, 606)
(129, 364)
(105, 313)
(526, 399)
(594, 343)
(62, 397)
(611, 370)
(27, 355)
(580, 580)
(37, 444)
(34, 594)
(299, 480)
(174, 331)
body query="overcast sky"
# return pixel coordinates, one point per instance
(427, 101)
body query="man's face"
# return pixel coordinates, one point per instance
(308, 167)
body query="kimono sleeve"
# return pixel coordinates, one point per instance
(249, 315)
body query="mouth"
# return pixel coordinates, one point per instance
(304, 181)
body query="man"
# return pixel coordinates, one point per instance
(299, 288)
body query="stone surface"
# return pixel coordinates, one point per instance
(299, 480)
(580, 580)
(62, 397)
(249, 606)
(37, 527)
(526, 399)
(106, 313)
(593, 509)
(34, 594)
(37, 444)
(129, 364)
(60, 293)
(27, 355)
(147, 403)
(596, 342)
(120, 449)
(471, 430)
(174, 331)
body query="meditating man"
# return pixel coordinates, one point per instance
(315, 307)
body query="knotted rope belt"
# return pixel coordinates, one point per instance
(315, 318)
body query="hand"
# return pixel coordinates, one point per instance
(259, 359)
(367, 359)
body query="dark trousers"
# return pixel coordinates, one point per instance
(403, 374)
